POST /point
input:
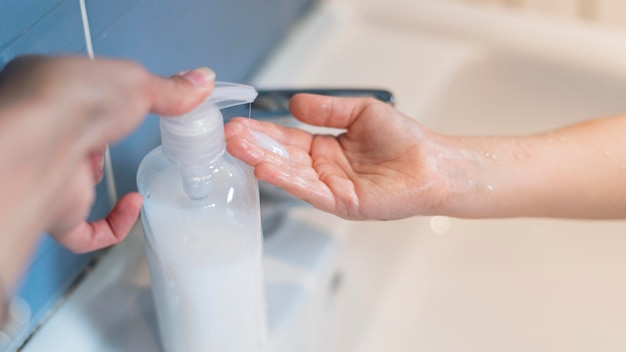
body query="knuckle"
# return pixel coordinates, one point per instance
(136, 72)
(369, 101)
(374, 105)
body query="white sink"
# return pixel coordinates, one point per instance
(439, 284)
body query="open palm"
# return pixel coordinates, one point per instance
(381, 167)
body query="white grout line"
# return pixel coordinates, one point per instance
(86, 31)
(108, 164)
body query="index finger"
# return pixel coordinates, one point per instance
(179, 93)
(286, 136)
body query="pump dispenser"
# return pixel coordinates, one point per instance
(203, 232)
(196, 139)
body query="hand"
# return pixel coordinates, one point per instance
(383, 167)
(56, 116)
(388, 166)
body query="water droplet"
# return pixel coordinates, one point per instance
(490, 188)
(440, 224)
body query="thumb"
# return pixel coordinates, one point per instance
(329, 111)
(182, 92)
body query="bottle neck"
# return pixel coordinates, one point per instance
(195, 143)
(197, 180)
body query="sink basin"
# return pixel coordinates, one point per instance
(517, 284)
(497, 93)
(443, 284)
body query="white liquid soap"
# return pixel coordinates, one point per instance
(203, 233)
(268, 143)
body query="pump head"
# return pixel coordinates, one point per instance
(195, 141)
(197, 137)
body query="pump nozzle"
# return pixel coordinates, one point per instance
(226, 95)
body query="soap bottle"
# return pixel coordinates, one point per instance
(202, 224)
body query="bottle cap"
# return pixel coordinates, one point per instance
(197, 137)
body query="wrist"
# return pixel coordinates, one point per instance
(445, 179)
(467, 175)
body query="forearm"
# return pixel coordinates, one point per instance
(575, 172)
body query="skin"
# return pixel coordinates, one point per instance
(388, 166)
(56, 116)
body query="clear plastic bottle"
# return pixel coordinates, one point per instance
(203, 233)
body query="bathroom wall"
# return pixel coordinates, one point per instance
(231, 36)
(611, 13)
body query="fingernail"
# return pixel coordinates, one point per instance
(199, 77)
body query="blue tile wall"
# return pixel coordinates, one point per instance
(231, 36)
(18, 16)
